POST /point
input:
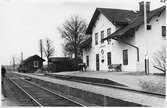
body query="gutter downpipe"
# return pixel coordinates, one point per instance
(146, 53)
(131, 46)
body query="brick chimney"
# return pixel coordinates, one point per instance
(141, 7)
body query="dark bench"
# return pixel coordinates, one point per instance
(115, 67)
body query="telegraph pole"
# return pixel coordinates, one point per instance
(41, 51)
(21, 56)
(13, 58)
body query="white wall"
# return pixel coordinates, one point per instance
(153, 39)
(114, 47)
(101, 24)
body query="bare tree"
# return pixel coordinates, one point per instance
(160, 59)
(66, 51)
(48, 49)
(73, 31)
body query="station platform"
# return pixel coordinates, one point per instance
(98, 94)
(132, 80)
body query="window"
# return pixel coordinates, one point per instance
(96, 38)
(163, 30)
(125, 57)
(108, 33)
(102, 36)
(148, 27)
(87, 60)
(35, 64)
(109, 58)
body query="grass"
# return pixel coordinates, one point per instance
(154, 86)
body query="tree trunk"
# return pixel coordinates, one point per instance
(48, 64)
(75, 54)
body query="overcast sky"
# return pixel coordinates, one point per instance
(24, 22)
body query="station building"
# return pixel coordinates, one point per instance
(31, 64)
(119, 37)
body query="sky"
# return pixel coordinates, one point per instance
(24, 22)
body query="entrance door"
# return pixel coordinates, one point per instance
(109, 58)
(97, 62)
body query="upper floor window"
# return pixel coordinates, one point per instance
(148, 27)
(102, 36)
(163, 28)
(108, 33)
(36, 64)
(96, 38)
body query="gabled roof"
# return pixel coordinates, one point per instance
(86, 43)
(136, 22)
(32, 57)
(113, 15)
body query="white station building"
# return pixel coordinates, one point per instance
(119, 37)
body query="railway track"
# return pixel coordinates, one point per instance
(69, 78)
(42, 96)
(15, 95)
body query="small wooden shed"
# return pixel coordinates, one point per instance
(31, 64)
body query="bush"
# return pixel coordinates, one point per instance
(160, 60)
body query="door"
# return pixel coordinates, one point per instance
(97, 62)
(109, 58)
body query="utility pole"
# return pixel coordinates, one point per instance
(13, 58)
(41, 51)
(21, 56)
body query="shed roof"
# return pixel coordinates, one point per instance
(56, 59)
(32, 57)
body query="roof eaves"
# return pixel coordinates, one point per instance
(136, 22)
(86, 43)
(93, 20)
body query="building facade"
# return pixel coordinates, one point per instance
(59, 64)
(31, 64)
(119, 37)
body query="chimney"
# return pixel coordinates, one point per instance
(141, 7)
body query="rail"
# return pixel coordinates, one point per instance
(47, 90)
(31, 97)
